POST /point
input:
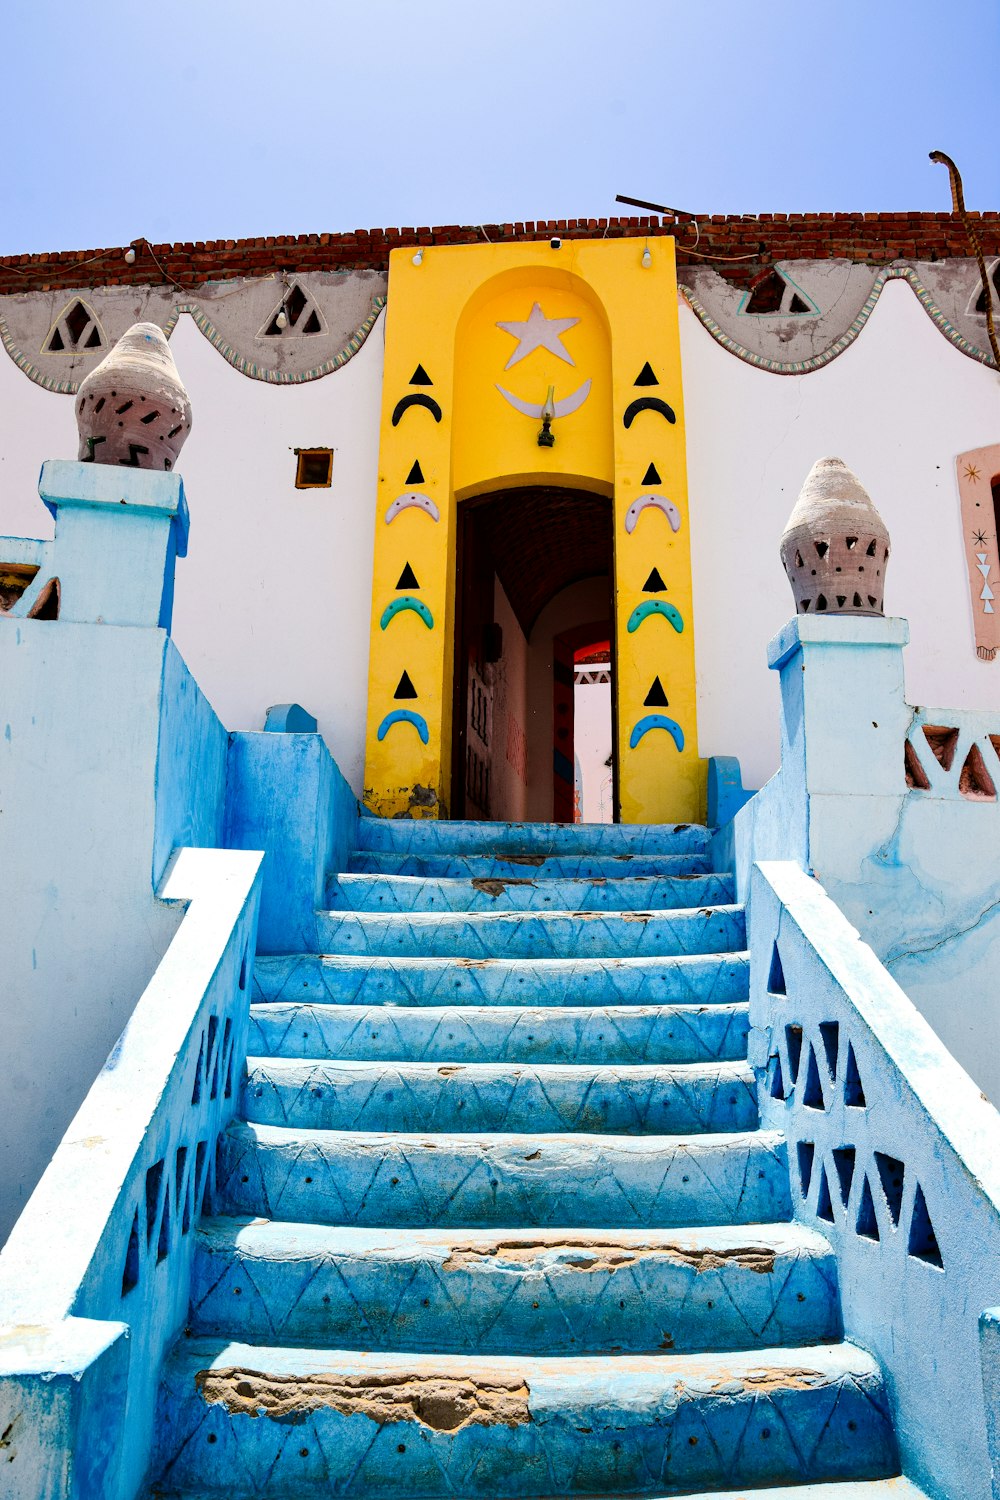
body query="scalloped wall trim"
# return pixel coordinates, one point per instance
(255, 371)
(817, 361)
(203, 322)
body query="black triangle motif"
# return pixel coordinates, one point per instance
(646, 376)
(405, 689)
(651, 476)
(416, 474)
(407, 579)
(420, 377)
(654, 583)
(656, 697)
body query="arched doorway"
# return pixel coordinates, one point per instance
(517, 551)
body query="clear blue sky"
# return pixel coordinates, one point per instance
(231, 118)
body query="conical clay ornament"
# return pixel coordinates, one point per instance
(132, 408)
(835, 546)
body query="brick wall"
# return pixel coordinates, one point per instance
(753, 242)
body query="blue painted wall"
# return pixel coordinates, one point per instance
(286, 795)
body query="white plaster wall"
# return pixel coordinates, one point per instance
(898, 407)
(576, 605)
(592, 734)
(510, 694)
(273, 600)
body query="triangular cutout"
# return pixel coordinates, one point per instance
(646, 376)
(776, 977)
(407, 579)
(793, 1042)
(824, 1205)
(813, 1096)
(891, 1173)
(777, 1081)
(867, 1225)
(295, 314)
(830, 1032)
(914, 772)
(854, 1094)
(942, 740)
(974, 780)
(656, 697)
(420, 377)
(806, 1153)
(766, 294)
(843, 1159)
(652, 476)
(923, 1241)
(77, 327)
(654, 583)
(405, 688)
(416, 474)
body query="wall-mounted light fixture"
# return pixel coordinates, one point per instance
(130, 256)
(418, 259)
(647, 259)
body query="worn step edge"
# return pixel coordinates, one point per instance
(551, 1291)
(896, 1488)
(384, 1424)
(683, 931)
(422, 1179)
(443, 865)
(625, 1099)
(506, 893)
(514, 1034)
(678, 979)
(459, 837)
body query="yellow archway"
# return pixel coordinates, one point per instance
(490, 348)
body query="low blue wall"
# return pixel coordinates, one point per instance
(286, 795)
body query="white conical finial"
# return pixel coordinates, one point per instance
(132, 409)
(835, 546)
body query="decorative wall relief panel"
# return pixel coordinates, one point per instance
(978, 485)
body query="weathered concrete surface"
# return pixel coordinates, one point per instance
(511, 1426)
(513, 1034)
(580, 1180)
(696, 979)
(548, 1291)
(623, 1099)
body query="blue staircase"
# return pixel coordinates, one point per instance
(499, 1219)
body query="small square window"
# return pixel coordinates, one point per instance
(315, 469)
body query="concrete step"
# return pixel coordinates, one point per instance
(241, 1419)
(577, 1181)
(553, 1292)
(538, 866)
(849, 1489)
(440, 836)
(697, 979)
(622, 1099)
(406, 893)
(710, 929)
(502, 1033)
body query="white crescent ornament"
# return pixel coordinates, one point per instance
(411, 499)
(561, 408)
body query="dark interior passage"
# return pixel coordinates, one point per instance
(517, 551)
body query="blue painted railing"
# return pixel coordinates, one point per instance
(95, 1278)
(894, 1156)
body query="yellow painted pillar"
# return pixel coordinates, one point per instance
(456, 422)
